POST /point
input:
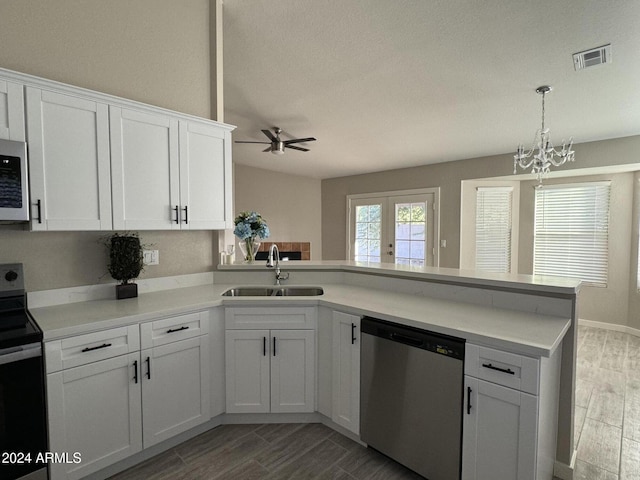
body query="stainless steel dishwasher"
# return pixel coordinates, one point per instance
(411, 394)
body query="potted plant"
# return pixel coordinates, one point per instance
(125, 262)
(249, 227)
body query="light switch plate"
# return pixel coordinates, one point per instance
(151, 257)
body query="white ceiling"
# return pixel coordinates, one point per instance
(398, 83)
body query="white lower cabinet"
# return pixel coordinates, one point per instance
(510, 415)
(346, 371)
(270, 371)
(94, 410)
(108, 405)
(500, 432)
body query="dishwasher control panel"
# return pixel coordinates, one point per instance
(414, 337)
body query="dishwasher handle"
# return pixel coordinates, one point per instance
(406, 339)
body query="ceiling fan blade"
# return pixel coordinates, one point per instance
(249, 141)
(270, 135)
(297, 148)
(299, 140)
(267, 149)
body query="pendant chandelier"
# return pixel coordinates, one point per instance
(542, 154)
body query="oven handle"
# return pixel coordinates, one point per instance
(11, 355)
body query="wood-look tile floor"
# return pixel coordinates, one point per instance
(607, 414)
(607, 433)
(269, 451)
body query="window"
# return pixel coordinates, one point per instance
(572, 232)
(493, 228)
(368, 221)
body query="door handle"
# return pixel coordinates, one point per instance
(353, 333)
(175, 209)
(186, 214)
(264, 346)
(135, 371)
(39, 206)
(469, 400)
(148, 360)
(274, 346)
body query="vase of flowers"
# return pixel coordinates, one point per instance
(250, 226)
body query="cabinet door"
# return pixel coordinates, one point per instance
(205, 177)
(293, 371)
(500, 432)
(247, 371)
(11, 111)
(94, 410)
(346, 371)
(144, 167)
(175, 388)
(69, 161)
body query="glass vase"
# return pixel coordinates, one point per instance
(249, 248)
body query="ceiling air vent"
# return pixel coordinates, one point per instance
(592, 57)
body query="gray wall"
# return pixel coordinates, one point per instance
(153, 51)
(634, 295)
(290, 204)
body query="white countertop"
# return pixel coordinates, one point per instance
(520, 332)
(537, 283)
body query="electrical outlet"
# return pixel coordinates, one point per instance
(151, 257)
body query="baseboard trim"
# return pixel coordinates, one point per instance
(609, 326)
(564, 471)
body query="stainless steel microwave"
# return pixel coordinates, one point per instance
(14, 187)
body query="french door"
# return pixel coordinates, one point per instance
(393, 228)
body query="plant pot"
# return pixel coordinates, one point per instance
(126, 290)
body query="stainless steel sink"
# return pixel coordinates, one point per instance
(273, 292)
(298, 291)
(249, 292)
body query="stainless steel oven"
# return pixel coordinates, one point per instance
(14, 187)
(23, 435)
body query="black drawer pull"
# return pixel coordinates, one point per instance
(135, 371)
(264, 346)
(274, 346)
(503, 370)
(175, 209)
(148, 360)
(90, 349)
(353, 333)
(469, 400)
(39, 205)
(171, 330)
(186, 214)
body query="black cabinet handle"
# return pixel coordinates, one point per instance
(469, 400)
(264, 346)
(353, 333)
(148, 360)
(90, 349)
(503, 370)
(175, 209)
(39, 205)
(274, 346)
(135, 371)
(186, 214)
(172, 330)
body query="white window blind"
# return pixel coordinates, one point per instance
(572, 231)
(493, 228)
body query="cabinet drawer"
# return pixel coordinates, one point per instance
(173, 329)
(270, 317)
(84, 349)
(508, 369)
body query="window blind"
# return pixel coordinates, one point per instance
(493, 228)
(572, 231)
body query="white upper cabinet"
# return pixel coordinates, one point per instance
(11, 111)
(144, 168)
(68, 140)
(205, 169)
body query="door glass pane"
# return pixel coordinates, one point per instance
(368, 230)
(410, 233)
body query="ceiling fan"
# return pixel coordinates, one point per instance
(277, 146)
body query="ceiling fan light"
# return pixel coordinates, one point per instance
(278, 148)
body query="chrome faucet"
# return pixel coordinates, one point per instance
(274, 253)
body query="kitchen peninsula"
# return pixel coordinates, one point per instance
(510, 320)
